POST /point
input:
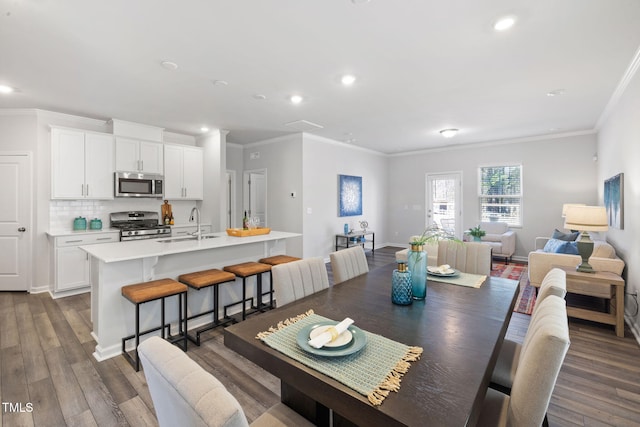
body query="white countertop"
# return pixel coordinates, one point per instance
(136, 249)
(58, 233)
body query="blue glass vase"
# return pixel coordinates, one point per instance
(417, 260)
(401, 288)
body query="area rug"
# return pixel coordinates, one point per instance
(527, 297)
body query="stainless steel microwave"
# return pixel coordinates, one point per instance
(134, 184)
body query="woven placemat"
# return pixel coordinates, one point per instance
(462, 279)
(374, 371)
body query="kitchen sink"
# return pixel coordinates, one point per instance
(185, 239)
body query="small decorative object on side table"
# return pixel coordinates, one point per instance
(477, 233)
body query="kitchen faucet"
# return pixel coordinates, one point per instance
(198, 232)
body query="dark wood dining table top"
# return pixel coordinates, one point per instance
(460, 329)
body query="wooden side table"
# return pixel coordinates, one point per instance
(600, 284)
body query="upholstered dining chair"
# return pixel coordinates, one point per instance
(184, 394)
(297, 279)
(468, 257)
(540, 362)
(554, 283)
(348, 263)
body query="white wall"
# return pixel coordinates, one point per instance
(322, 161)
(619, 151)
(235, 163)
(555, 171)
(281, 159)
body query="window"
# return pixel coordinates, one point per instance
(501, 194)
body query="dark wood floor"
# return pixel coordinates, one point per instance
(46, 360)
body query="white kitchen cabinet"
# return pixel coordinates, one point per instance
(133, 155)
(71, 265)
(183, 172)
(81, 164)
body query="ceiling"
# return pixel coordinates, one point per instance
(421, 65)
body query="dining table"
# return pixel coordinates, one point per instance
(459, 328)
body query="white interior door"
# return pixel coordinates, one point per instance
(15, 222)
(255, 190)
(444, 201)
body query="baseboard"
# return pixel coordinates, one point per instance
(62, 294)
(635, 328)
(39, 289)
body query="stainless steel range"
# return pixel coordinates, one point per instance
(138, 225)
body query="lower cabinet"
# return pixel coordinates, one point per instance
(71, 265)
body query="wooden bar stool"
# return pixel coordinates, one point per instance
(150, 291)
(244, 270)
(276, 260)
(205, 279)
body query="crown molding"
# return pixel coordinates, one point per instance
(620, 89)
(496, 143)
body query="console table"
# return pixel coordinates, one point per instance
(358, 235)
(600, 284)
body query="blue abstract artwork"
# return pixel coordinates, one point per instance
(350, 195)
(614, 201)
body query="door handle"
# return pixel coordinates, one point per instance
(22, 229)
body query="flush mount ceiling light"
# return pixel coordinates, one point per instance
(220, 82)
(296, 99)
(259, 96)
(448, 133)
(504, 23)
(556, 92)
(6, 89)
(348, 79)
(168, 65)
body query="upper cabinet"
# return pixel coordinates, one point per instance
(183, 172)
(138, 156)
(82, 164)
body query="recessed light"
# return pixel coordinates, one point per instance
(448, 133)
(204, 129)
(556, 92)
(505, 23)
(296, 99)
(360, 1)
(259, 96)
(169, 65)
(348, 79)
(219, 82)
(6, 89)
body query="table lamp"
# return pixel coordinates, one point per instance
(585, 219)
(566, 207)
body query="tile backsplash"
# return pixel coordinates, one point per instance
(63, 212)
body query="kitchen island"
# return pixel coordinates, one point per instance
(114, 265)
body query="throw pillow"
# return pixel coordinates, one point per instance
(557, 246)
(567, 237)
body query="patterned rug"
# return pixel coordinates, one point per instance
(527, 297)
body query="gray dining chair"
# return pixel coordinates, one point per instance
(554, 283)
(348, 263)
(184, 394)
(540, 362)
(297, 279)
(468, 257)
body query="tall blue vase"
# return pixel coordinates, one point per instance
(401, 287)
(417, 263)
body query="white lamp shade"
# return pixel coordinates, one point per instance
(566, 206)
(586, 218)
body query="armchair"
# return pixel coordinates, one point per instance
(500, 238)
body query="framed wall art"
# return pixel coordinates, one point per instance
(614, 200)
(350, 195)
